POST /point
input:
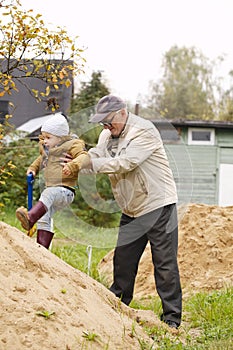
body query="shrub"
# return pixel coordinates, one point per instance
(19, 154)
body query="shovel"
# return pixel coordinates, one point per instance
(30, 180)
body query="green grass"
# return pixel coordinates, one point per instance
(207, 316)
(207, 322)
(77, 256)
(212, 313)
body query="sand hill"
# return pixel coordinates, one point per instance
(35, 283)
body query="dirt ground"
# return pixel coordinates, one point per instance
(34, 282)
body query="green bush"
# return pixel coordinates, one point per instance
(14, 186)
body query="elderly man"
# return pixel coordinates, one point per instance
(131, 152)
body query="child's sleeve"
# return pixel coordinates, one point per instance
(35, 166)
(79, 155)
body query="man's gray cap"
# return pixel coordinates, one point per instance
(105, 106)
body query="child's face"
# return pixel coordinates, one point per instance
(50, 140)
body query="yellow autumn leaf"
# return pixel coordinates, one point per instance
(35, 92)
(61, 75)
(67, 83)
(47, 91)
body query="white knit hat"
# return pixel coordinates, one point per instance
(56, 125)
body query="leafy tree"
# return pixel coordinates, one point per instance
(30, 50)
(226, 102)
(187, 88)
(83, 105)
(89, 93)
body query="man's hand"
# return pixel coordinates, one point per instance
(66, 159)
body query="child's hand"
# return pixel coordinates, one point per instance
(66, 170)
(29, 171)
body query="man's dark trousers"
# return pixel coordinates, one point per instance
(160, 228)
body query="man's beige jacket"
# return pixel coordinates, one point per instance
(140, 175)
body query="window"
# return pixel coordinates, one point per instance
(201, 136)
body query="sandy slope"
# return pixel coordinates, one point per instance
(33, 279)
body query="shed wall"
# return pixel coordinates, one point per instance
(194, 169)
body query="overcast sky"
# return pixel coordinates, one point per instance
(126, 39)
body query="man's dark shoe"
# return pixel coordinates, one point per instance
(171, 324)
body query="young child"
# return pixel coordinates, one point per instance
(60, 180)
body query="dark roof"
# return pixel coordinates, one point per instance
(202, 123)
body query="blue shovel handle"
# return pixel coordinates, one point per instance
(30, 180)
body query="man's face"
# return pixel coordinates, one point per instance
(115, 122)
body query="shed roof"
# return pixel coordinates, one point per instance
(203, 123)
(193, 123)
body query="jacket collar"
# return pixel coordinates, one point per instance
(129, 122)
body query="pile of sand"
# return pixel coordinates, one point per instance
(36, 283)
(205, 252)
